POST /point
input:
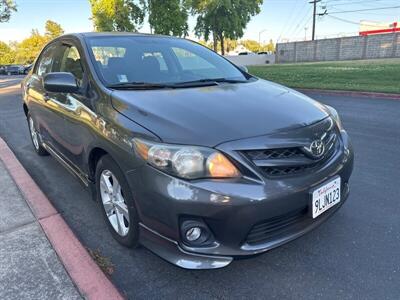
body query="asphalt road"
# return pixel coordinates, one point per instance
(355, 255)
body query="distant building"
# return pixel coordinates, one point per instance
(371, 27)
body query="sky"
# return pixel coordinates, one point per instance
(279, 20)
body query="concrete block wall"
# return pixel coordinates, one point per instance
(380, 46)
(304, 51)
(396, 48)
(327, 49)
(351, 48)
(345, 48)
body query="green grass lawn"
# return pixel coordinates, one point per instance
(366, 75)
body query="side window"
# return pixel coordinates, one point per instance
(71, 62)
(45, 61)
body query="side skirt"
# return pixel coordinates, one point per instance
(83, 178)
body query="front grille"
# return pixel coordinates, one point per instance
(282, 171)
(291, 160)
(274, 153)
(266, 230)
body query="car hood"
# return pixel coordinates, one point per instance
(212, 115)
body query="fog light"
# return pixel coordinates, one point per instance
(193, 234)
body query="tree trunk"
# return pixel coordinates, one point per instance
(215, 42)
(222, 40)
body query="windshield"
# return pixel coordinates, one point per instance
(142, 60)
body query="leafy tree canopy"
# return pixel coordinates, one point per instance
(53, 30)
(7, 55)
(116, 15)
(168, 17)
(252, 45)
(223, 18)
(6, 9)
(30, 47)
(26, 51)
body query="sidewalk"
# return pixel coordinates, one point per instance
(40, 257)
(29, 267)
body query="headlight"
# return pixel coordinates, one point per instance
(189, 162)
(335, 116)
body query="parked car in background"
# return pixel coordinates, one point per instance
(264, 53)
(186, 153)
(12, 70)
(2, 70)
(21, 69)
(27, 68)
(246, 53)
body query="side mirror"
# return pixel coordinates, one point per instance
(60, 82)
(244, 69)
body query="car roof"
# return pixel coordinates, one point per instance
(109, 34)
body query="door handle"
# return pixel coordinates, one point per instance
(46, 97)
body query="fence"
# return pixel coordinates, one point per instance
(345, 48)
(251, 59)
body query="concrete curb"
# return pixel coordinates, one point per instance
(91, 282)
(351, 93)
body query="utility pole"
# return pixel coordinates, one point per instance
(314, 17)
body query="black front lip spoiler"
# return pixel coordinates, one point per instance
(172, 252)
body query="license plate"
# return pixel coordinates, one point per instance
(325, 197)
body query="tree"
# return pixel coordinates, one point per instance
(223, 18)
(252, 45)
(270, 46)
(206, 44)
(30, 48)
(116, 15)
(6, 9)
(7, 55)
(168, 17)
(53, 30)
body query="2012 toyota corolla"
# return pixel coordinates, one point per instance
(187, 154)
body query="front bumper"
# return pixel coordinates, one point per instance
(229, 208)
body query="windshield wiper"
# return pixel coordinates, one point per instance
(210, 80)
(139, 85)
(193, 83)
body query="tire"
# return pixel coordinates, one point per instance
(35, 138)
(122, 218)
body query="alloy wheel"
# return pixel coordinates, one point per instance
(114, 203)
(34, 134)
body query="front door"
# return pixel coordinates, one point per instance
(74, 107)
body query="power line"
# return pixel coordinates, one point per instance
(288, 20)
(292, 30)
(366, 9)
(299, 28)
(353, 22)
(358, 3)
(343, 20)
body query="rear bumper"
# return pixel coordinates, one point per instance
(229, 208)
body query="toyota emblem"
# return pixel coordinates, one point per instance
(317, 148)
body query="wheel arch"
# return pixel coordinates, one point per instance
(94, 156)
(26, 110)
